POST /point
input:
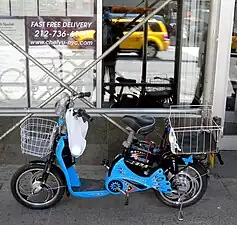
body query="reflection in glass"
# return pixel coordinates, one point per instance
(158, 89)
(12, 65)
(49, 41)
(195, 24)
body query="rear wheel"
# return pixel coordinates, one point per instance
(152, 50)
(28, 189)
(189, 186)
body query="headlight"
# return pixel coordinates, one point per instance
(60, 106)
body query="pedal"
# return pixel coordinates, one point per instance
(105, 163)
(126, 200)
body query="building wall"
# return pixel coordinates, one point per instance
(104, 141)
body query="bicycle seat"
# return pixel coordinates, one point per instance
(164, 93)
(141, 125)
(124, 80)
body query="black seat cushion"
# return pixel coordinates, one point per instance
(124, 80)
(164, 93)
(141, 125)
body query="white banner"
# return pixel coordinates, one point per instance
(14, 29)
(4, 8)
(24, 8)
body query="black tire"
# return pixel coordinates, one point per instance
(55, 171)
(155, 50)
(204, 181)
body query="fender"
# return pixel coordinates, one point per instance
(167, 157)
(157, 41)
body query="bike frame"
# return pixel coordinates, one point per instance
(71, 176)
(157, 180)
(118, 172)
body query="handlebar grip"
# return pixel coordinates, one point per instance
(84, 115)
(85, 94)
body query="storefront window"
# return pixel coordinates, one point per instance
(56, 34)
(130, 74)
(161, 49)
(61, 35)
(195, 25)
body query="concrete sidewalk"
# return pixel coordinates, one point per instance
(218, 206)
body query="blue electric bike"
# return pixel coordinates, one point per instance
(177, 181)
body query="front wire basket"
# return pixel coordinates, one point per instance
(37, 135)
(193, 130)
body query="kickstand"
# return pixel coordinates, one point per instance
(181, 213)
(126, 199)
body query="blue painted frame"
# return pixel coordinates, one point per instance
(120, 172)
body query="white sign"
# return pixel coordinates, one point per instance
(14, 29)
(24, 7)
(80, 8)
(52, 8)
(4, 8)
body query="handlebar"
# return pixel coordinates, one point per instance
(82, 113)
(82, 95)
(162, 78)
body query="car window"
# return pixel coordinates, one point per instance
(155, 27)
(128, 28)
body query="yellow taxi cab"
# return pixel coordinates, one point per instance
(234, 39)
(234, 43)
(158, 39)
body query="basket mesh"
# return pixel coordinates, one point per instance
(37, 136)
(196, 132)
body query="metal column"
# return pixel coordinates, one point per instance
(144, 51)
(211, 53)
(222, 72)
(28, 85)
(99, 53)
(66, 86)
(222, 64)
(178, 51)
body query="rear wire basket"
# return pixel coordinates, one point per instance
(193, 131)
(37, 135)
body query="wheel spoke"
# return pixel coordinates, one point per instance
(187, 184)
(31, 190)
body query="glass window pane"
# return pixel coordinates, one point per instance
(155, 27)
(194, 39)
(13, 70)
(60, 38)
(129, 77)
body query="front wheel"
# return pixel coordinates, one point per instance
(29, 190)
(189, 186)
